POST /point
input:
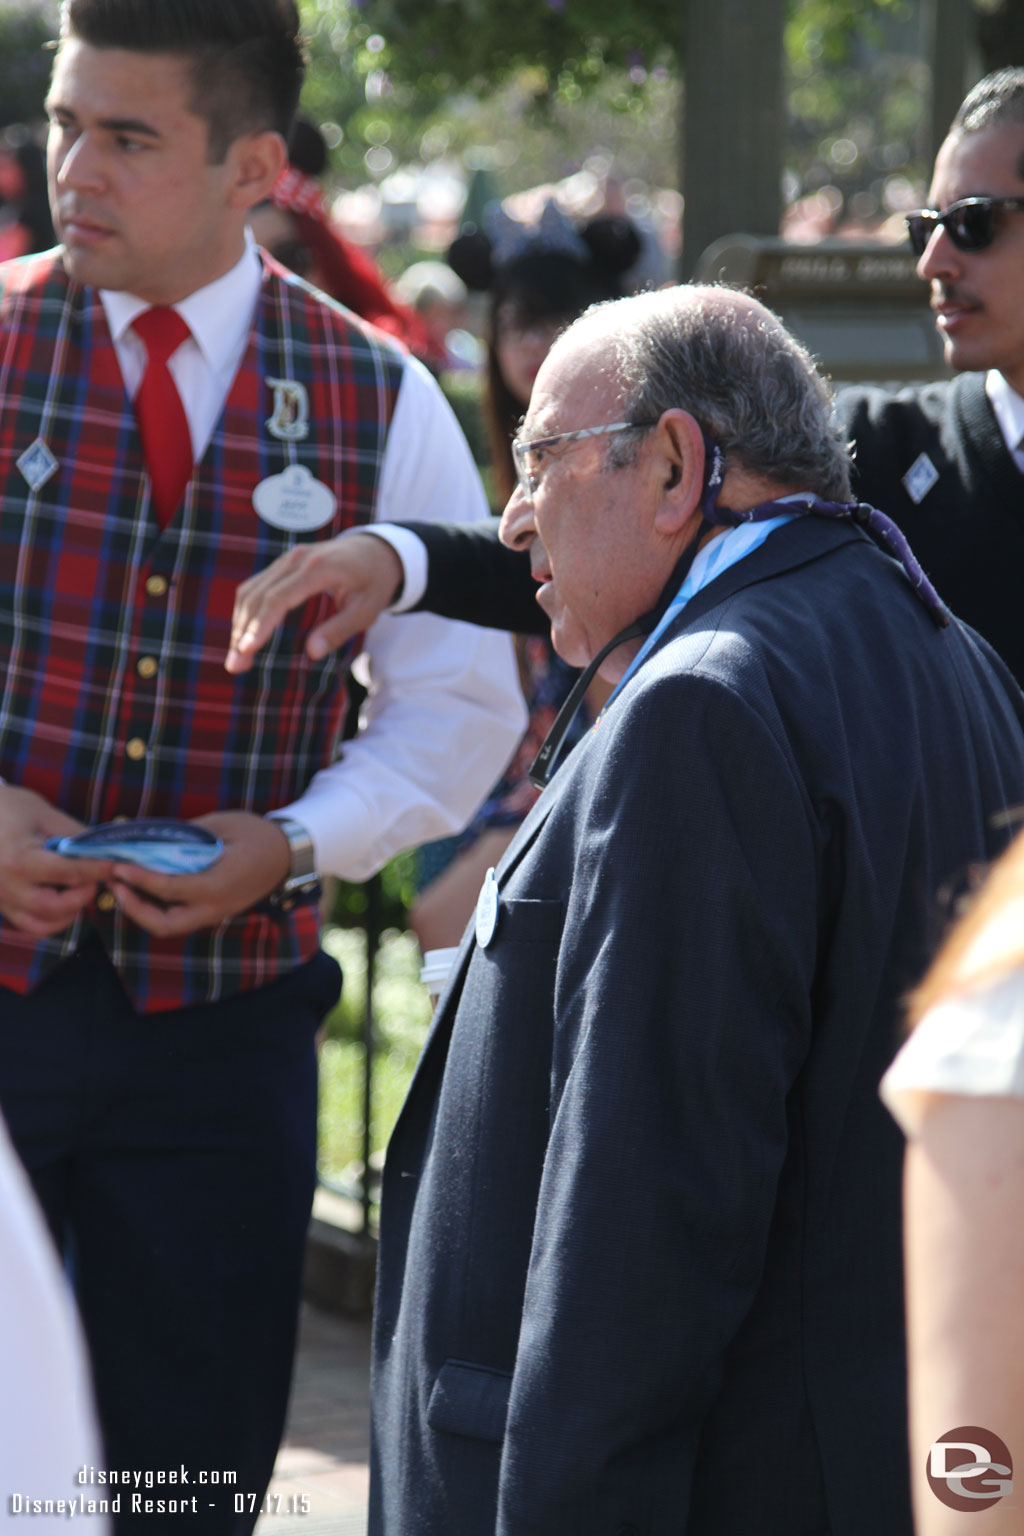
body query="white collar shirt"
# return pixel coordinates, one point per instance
(1008, 407)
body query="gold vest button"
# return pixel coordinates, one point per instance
(136, 749)
(105, 902)
(156, 586)
(146, 666)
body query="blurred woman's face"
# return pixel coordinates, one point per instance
(522, 345)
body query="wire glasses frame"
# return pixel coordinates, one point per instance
(528, 467)
(969, 223)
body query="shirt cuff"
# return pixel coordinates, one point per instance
(412, 552)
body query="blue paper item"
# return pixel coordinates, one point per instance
(164, 846)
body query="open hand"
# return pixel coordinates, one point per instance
(361, 572)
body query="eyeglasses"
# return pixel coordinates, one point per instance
(970, 223)
(529, 456)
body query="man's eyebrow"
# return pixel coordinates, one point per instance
(136, 125)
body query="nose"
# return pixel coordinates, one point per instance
(76, 165)
(940, 257)
(518, 529)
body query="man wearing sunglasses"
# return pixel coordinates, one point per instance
(945, 459)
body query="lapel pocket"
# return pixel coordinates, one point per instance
(531, 921)
(470, 1400)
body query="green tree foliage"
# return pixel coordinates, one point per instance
(536, 87)
(566, 44)
(457, 42)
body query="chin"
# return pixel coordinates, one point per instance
(570, 643)
(84, 267)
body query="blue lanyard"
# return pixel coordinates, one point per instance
(717, 556)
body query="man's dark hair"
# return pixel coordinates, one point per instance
(994, 102)
(246, 56)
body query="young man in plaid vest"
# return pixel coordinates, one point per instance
(156, 1057)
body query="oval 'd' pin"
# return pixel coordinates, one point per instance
(487, 910)
(294, 500)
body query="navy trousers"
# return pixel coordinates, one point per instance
(174, 1155)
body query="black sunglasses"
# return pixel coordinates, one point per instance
(970, 223)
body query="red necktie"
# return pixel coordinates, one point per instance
(163, 425)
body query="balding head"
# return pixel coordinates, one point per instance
(731, 363)
(608, 509)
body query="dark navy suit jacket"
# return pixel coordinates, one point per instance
(640, 1251)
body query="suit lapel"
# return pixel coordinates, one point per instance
(435, 1047)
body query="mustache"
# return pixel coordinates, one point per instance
(950, 293)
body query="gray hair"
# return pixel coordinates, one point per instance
(997, 101)
(750, 385)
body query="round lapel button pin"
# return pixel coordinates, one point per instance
(487, 910)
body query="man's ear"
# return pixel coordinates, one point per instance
(680, 466)
(257, 161)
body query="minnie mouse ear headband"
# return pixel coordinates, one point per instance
(607, 242)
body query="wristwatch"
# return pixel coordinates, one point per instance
(302, 878)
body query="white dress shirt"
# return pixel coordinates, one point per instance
(444, 711)
(1008, 408)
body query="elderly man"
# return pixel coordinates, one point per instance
(640, 1251)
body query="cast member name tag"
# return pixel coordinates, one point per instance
(487, 910)
(293, 500)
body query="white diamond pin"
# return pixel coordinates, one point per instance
(37, 464)
(920, 478)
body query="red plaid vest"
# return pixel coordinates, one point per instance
(113, 696)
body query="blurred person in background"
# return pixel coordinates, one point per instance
(438, 297)
(957, 1089)
(294, 227)
(47, 1419)
(25, 222)
(537, 278)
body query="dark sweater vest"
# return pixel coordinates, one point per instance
(967, 530)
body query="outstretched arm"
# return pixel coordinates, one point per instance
(470, 576)
(473, 577)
